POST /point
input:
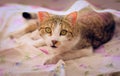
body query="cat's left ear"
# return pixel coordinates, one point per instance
(43, 15)
(72, 17)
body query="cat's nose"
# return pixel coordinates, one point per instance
(54, 42)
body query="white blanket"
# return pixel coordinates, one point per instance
(18, 57)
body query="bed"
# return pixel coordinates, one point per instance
(18, 57)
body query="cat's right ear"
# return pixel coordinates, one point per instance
(72, 17)
(28, 15)
(43, 15)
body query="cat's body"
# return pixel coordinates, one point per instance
(95, 28)
(74, 35)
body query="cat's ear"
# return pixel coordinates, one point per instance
(72, 17)
(28, 15)
(43, 16)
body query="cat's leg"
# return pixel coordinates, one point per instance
(70, 55)
(27, 29)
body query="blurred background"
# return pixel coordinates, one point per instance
(64, 4)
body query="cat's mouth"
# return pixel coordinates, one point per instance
(53, 46)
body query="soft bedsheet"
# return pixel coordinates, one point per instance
(18, 57)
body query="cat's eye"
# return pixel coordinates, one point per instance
(48, 29)
(63, 32)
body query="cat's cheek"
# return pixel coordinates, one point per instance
(69, 39)
(63, 39)
(58, 44)
(47, 40)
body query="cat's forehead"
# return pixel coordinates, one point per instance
(55, 21)
(56, 18)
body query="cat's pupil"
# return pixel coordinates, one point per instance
(63, 32)
(48, 29)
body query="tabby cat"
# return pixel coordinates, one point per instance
(71, 36)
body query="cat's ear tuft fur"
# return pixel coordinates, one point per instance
(42, 15)
(72, 17)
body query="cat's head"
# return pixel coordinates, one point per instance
(59, 32)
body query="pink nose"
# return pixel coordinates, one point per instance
(54, 42)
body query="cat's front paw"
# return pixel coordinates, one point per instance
(11, 36)
(53, 60)
(14, 35)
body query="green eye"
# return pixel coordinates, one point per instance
(48, 29)
(63, 32)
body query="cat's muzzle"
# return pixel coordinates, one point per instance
(54, 42)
